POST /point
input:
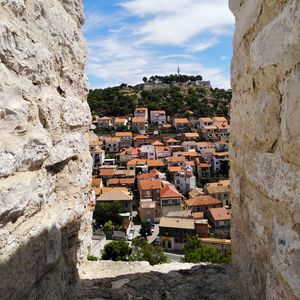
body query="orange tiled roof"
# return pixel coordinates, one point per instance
(191, 135)
(141, 137)
(210, 127)
(138, 120)
(151, 185)
(136, 161)
(202, 200)
(120, 120)
(145, 176)
(204, 165)
(220, 213)
(131, 150)
(174, 169)
(222, 153)
(169, 191)
(172, 141)
(105, 118)
(107, 172)
(225, 182)
(96, 181)
(206, 120)
(122, 134)
(162, 148)
(222, 125)
(191, 153)
(141, 108)
(155, 163)
(181, 120)
(175, 159)
(114, 181)
(157, 143)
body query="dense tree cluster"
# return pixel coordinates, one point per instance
(173, 78)
(177, 100)
(195, 252)
(107, 212)
(141, 250)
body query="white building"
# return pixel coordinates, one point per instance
(158, 117)
(185, 181)
(148, 152)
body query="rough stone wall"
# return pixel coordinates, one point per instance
(45, 167)
(265, 138)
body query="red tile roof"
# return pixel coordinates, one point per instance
(138, 120)
(202, 200)
(181, 120)
(220, 213)
(122, 134)
(107, 172)
(150, 185)
(169, 191)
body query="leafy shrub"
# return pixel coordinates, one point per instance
(116, 250)
(92, 258)
(143, 251)
(195, 251)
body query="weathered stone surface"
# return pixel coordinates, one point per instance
(265, 161)
(45, 165)
(139, 280)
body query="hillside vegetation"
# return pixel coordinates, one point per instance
(182, 97)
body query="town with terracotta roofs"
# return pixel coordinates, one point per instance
(168, 175)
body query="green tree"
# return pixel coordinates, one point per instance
(143, 251)
(145, 229)
(195, 251)
(92, 258)
(116, 250)
(108, 226)
(145, 79)
(105, 212)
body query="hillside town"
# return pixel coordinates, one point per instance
(170, 173)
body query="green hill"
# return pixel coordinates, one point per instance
(182, 97)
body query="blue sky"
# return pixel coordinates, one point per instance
(129, 39)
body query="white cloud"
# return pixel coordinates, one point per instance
(176, 22)
(223, 57)
(133, 50)
(198, 47)
(119, 62)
